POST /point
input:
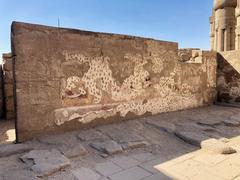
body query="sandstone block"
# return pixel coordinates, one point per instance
(107, 168)
(134, 145)
(8, 77)
(9, 104)
(11, 149)
(135, 173)
(76, 151)
(125, 162)
(217, 146)
(85, 174)
(8, 66)
(8, 90)
(109, 147)
(10, 115)
(194, 138)
(45, 162)
(91, 135)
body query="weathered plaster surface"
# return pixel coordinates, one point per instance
(68, 78)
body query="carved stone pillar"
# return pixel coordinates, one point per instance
(237, 39)
(212, 31)
(224, 24)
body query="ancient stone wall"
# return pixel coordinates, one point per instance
(1, 94)
(228, 81)
(68, 79)
(8, 86)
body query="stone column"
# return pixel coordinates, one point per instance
(212, 32)
(225, 23)
(237, 39)
(8, 86)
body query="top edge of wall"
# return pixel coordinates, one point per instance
(16, 25)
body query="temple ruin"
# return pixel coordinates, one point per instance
(58, 79)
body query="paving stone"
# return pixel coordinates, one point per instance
(134, 145)
(135, 173)
(206, 176)
(91, 135)
(11, 149)
(162, 125)
(231, 123)
(217, 146)
(104, 178)
(85, 174)
(125, 162)
(109, 147)
(151, 165)
(123, 135)
(210, 122)
(210, 159)
(185, 169)
(226, 170)
(193, 138)
(45, 162)
(143, 157)
(62, 139)
(107, 168)
(76, 151)
(158, 176)
(236, 117)
(18, 175)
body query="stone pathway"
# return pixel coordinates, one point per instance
(201, 143)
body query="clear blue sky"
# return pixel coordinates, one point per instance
(183, 21)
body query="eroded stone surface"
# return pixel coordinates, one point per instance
(217, 146)
(45, 162)
(85, 174)
(166, 126)
(133, 145)
(91, 135)
(75, 151)
(11, 149)
(193, 138)
(232, 122)
(19, 175)
(107, 168)
(108, 147)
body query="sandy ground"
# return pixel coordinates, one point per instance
(7, 131)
